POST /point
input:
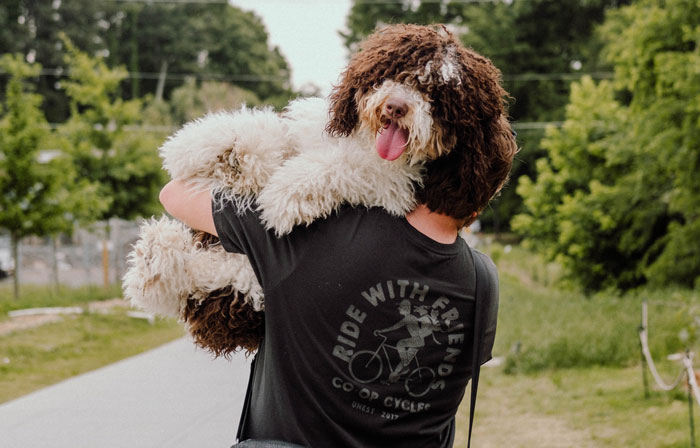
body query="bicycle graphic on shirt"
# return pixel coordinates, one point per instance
(367, 366)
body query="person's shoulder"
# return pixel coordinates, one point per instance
(486, 260)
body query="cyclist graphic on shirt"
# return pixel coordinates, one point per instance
(419, 327)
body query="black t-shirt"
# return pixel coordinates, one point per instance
(368, 330)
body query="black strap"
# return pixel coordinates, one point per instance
(481, 297)
(246, 401)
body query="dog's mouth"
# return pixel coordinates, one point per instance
(391, 140)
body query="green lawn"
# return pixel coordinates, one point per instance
(573, 376)
(36, 296)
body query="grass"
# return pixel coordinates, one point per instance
(34, 358)
(572, 376)
(542, 325)
(36, 296)
(582, 407)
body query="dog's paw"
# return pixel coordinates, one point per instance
(157, 279)
(234, 152)
(299, 192)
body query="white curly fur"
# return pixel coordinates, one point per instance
(202, 152)
(290, 166)
(157, 279)
(166, 267)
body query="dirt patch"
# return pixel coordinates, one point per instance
(522, 429)
(19, 323)
(105, 306)
(25, 322)
(505, 418)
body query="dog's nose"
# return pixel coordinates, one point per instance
(395, 108)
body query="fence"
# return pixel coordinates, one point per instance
(77, 260)
(686, 371)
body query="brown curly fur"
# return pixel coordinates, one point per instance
(469, 113)
(223, 322)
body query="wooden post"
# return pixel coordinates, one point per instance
(105, 262)
(643, 327)
(54, 263)
(15, 257)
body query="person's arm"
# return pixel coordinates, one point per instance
(192, 208)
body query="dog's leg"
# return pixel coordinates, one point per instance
(212, 268)
(223, 315)
(232, 152)
(157, 279)
(313, 184)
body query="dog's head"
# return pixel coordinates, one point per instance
(425, 98)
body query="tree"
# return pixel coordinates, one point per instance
(629, 215)
(216, 40)
(158, 42)
(35, 28)
(123, 162)
(108, 147)
(575, 209)
(653, 45)
(191, 101)
(40, 197)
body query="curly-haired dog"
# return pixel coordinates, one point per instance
(416, 118)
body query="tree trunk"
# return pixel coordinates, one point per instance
(54, 264)
(14, 238)
(134, 53)
(105, 255)
(117, 249)
(161, 80)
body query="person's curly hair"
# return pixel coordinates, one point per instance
(468, 106)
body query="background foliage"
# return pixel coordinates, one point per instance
(609, 189)
(89, 90)
(617, 198)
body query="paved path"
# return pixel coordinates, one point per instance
(174, 396)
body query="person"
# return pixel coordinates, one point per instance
(328, 287)
(344, 361)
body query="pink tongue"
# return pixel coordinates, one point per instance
(391, 142)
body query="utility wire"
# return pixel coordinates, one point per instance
(357, 2)
(244, 77)
(248, 77)
(167, 128)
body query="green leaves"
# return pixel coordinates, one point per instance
(620, 186)
(42, 193)
(123, 164)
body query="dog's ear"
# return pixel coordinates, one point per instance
(343, 109)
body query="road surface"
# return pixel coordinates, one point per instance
(174, 396)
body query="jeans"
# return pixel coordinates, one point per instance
(265, 444)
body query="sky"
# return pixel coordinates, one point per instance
(306, 31)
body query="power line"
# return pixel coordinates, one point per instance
(248, 77)
(180, 2)
(556, 76)
(525, 125)
(357, 2)
(245, 77)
